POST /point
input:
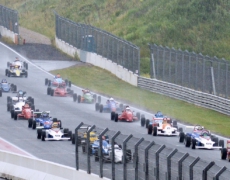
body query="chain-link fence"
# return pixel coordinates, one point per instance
(9, 19)
(117, 156)
(92, 39)
(188, 69)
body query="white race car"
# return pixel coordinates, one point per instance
(55, 133)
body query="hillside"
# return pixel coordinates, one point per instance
(195, 25)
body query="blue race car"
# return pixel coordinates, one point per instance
(110, 106)
(7, 87)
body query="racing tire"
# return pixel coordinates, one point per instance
(96, 156)
(215, 139)
(116, 117)
(147, 123)
(154, 131)
(95, 98)
(150, 129)
(9, 99)
(12, 114)
(32, 100)
(112, 116)
(49, 82)
(30, 122)
(6, 72)
(74, 97)
(46, 81)
(181, 137)
(142, 122)
(99, 99)
(221, 143)
(224, 153)
(79, 99)
(32, 107)
(101, 108)
(70, 135)
(187, 141)
(138, 115)
(15, 115)
(8, 106)
(0, 93)
(66, 82)
(51, 92)
(34, 124)
(97, 106)
(39, 133)
(11, 107)
(73, 139)
(15, 88)
(43, 135)
(193, 144)
(69, 84)
(48, 91)
(26, 74)
(174, 123)
(66, 131)
(128, 155)
(55, 120)
(180, 129)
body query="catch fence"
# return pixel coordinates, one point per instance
(9, 19)
(141, 160)
(91, 39)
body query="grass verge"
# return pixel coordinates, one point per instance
(105, 83)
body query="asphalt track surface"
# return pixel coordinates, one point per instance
(71, 114)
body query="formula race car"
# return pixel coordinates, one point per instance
(17, 62)
(157, 116)
(126, 115)
(163, 126)
(56, 81)
(200, 138)
(110, 106)
(16, 71)
(60, 91)
(7, 87)
(55, 133)
(225, 152)
(87, 97)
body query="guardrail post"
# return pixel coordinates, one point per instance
(113, 155)
(216, 177)
(88, 150)
(157, 161)
(204, 176)
(136, 157)
(180, 165)
(169, 163)
(146, 165)
(76, 145)
(191, 168)
(100, 151)
(124, 156)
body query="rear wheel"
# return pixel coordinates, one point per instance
(221, 143)
(43, 135)
(224, 153)
(181, 137)
(34, 125)
(193, 144)
(116, 117)
(154, 131)
(69, 83)
(26, 74)
(147, 123)
(142, 122)
(51, 92)
(48, 91)
(215, 139)
(112, 115)
(73, 139)
(150, 129)
(30, 122)
(79, 99)
(39, 134)
(74, 97)
(187, 141)
(12, 113)
(15, 115)
(101, 108)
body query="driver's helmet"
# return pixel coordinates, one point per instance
(58, 76)
(127, 108)
(200, 128)
(55, 125)
(26, 106)
(4, 81)
(20, 93)
(45, 114)
(116, 146)
(111, 99)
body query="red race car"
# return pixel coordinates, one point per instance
(60, 91)
(126, 115)
(26, 113)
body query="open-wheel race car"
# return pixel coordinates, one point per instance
(163, 126)
(17, 62)
(56, 81)
(26, 112)
(55, 133)
(200, 138)
(225, 152)
(110, 106)
(60, 91)
(7, 87)
(126, 115)
(16, 71)
(87, 97)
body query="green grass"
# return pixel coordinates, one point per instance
(201, 26)
(105, 83)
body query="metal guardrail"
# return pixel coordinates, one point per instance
(144, 160)
(9, 19)
(92, 39)
(198, 98)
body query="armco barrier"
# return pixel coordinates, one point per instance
(99, 61)
(14, 166)
(9, 34)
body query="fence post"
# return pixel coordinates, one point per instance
(180, 165)
(217, 175)
(146, 165)
(76, 145)
(124, 158)
(206, 170)
(88, 149)
(157, 161)
(169, 163)
(191, 168)
(113, 154)
(136, 157)
(213, 80)
(100, 152)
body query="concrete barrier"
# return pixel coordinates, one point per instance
(9, 34)
(99, 61)
(14, 166)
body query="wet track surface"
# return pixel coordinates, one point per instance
(71, 114)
